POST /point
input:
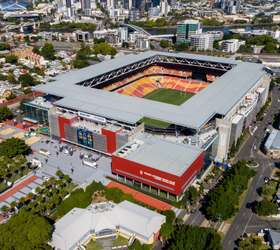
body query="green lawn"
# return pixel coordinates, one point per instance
(120, 241)
(170, 96)
(93, 245)
(155, 123)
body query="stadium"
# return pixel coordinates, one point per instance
(143, 109)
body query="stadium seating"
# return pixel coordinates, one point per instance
(153, 70)
(210, 78)
(148, 84)
(156, 77)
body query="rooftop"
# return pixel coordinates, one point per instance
(147, 150)
(229, 88)
(273, 140)
(77, 224)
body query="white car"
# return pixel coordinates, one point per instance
(90, 163)
(44, 152)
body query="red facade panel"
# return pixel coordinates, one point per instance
(62, 121)
(156, 178)
(111, 140)
(191, 172)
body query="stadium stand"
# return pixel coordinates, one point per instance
(151, 71)
(146, 85)
(210, 78)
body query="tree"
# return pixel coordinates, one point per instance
(59, 174)
(36, 50)
(48, 52)
(138, 246)
(266, 208)
(104, 49)
(186, 237)
(5, 209)
(79, 64)
(13, 147)
(223, 200)
(167, 228)
(4, 46)
(191, 195)
(11, 96)
(164, 44)
(11, 78)
(251, 243)
(270, 47)
(211, 22)
(25, 231)
(5, 113)
(3, 77)
(12, 59)
(26, 80)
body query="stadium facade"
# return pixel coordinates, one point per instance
(88, 109)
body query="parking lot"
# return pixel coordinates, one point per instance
(70, 163)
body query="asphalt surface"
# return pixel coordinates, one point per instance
(246, 220)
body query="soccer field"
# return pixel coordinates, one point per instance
(170, 96)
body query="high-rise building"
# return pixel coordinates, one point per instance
(86, 6)
(123, 34)
(130, 4)
(202, 41)
(186, 29)
(110, 4)
(164, 7)
(229, 6)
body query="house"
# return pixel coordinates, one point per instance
(274, 239)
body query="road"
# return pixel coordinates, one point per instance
(246, 220)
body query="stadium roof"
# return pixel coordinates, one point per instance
(177, 158)
(218, 98)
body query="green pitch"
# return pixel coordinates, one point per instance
(170, 96)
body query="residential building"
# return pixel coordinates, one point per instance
(274, 239)
(202, 41)
(217, 35)
(231, 45)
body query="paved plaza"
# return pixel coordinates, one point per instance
(70, 164)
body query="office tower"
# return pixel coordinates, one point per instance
(186, 29)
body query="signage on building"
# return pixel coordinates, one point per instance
(158, 178)
(85, 137)
(92, 117)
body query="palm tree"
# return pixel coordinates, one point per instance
(5, 209)
(13, 204)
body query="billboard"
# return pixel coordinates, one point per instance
(85, 137)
